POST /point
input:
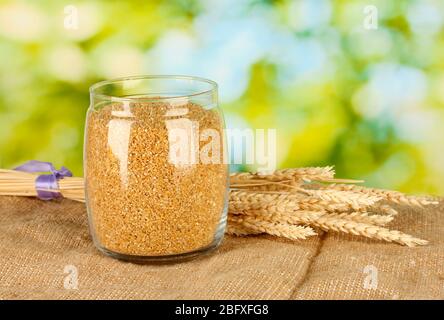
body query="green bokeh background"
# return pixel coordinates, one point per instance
(368, 100)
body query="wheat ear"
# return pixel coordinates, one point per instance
(356, 200)
(309, 217)
(386, 209)
(299, 217)
(241, 200)
(367, 230)
(364, 217)
(237, 229)
(388, 195)
(275, 229)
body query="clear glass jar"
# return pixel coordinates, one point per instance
(155, 177)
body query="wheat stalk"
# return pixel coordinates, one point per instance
(18, 183)
(261, 185)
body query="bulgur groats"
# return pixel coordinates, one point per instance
(143, 201)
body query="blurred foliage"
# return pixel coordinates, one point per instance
(369, 101)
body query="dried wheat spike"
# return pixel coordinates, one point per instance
(253, 196)
(263, 203)
(243, 200)
(289, 202)
(296, 217)
(386, 209)
(275, 229)
(237, 229)
(313, 173)
(392, 196)
(299, 217)
(364, 217)
(356, 200)
(370, 231)
(308, 217)
(314, 204)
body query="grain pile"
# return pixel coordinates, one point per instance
(139, 202)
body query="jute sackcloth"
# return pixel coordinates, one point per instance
(46, 253)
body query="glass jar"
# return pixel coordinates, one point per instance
(155, 177)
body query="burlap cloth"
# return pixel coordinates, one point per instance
(40, 241)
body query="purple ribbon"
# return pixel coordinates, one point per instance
(46, 185)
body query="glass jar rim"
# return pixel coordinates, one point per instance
(101, 84)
